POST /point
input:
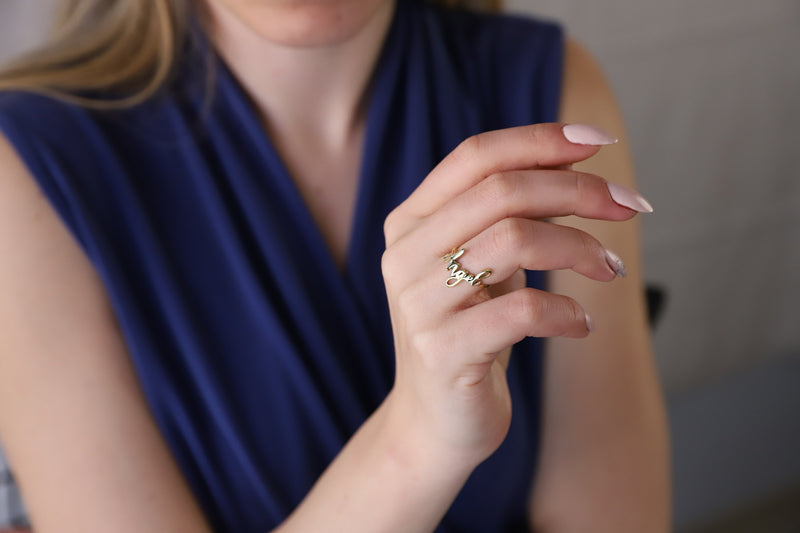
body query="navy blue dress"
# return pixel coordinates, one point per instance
(258, 357)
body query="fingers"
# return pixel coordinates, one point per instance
(523, 313)
(529, 194)
(490, 197)
(505, 248)
(481, 331)
(518, 243)
(525, 147)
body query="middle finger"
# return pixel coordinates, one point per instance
(528, 194)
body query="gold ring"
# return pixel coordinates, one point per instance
(459, 274)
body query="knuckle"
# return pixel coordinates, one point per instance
(572, 320)
(574, 311)
(509, 234)
(407, 302)
(562, 314)
(527, 306)
(536, 134)
(469, 147)
(579, 185)
(588, 188)
(390, 226)
(427, 345)
(577, 189)
(499, 187)
(548, 314)
(589, 245)
(388, 263)
(469, 151)
(422, 342)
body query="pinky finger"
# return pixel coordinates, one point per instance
(500, 322)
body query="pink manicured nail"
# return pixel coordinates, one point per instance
(589, 323)
(629, 198)
(590, 135)
(616, 264)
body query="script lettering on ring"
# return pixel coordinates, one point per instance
(459, 274)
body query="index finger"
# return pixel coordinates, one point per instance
(519, 148)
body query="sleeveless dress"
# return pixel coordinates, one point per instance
(258, 357)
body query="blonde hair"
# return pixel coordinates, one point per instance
(125, 49)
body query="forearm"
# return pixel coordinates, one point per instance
(611, 474)
(604, 460)
(604, 463)
(605, 457)
(388, 477)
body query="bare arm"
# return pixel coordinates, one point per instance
(604, 463)
(85, 449)
(74, 424)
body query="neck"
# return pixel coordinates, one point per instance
(315, 93)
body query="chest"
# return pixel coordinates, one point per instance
(327, 181)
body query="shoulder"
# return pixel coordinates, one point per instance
(42, 141)
(78, 160)
(32, 239)
(49, 119)
(482, 27)
(19, 102)
(16, 185)
(36, 114)
(498, 39)
(67, 146)
(44, 132)
(67, 373)
(29, 118)
(508, 66)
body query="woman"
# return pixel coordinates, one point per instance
(206, 326)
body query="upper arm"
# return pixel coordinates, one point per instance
(604, 456)
(73, 421)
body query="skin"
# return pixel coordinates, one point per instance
(69, 400)
(605, 458)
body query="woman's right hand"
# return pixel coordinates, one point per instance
(492, 197)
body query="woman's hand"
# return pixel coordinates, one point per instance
(490, 197)
(450, 406)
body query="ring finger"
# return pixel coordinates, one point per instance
(503, 249)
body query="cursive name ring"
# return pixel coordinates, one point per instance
(459, 274)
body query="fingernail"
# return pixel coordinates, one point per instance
(629, 198)
(616, 264)
(589, 323)
(589, 135)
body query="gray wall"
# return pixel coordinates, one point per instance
(711, 93)
(22, 24)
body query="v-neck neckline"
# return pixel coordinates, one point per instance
(300, 210)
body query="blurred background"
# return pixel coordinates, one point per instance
(711, 93)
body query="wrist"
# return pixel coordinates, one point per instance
(391, 476)
(411, 445)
